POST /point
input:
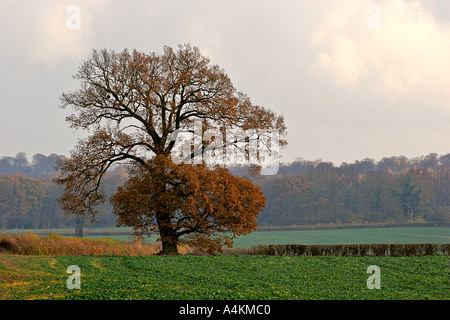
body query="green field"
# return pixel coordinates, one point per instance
(239, 276)
(223, 277)
(347, 236)
(334, 236)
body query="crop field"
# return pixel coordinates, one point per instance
(335, 236)
(223, 277)
(347, 236)
(231, 276)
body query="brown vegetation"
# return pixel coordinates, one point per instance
(55, 244)
(378, 250)
(211, 207)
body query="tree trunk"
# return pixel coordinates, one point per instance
(169, 248)
(79, 226)
(169, 241)
(168, 234)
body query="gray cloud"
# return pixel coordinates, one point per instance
(346, 92)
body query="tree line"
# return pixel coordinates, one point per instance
(394, 189)
(28, 202)
(40, 165)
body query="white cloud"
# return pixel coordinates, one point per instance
(406, 58)
(208, 39)
(53, 39)
(344, 60)
(39, 33)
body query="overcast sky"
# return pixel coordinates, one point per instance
(353, 78)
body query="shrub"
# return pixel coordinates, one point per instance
(380, 249)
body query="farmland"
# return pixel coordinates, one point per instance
(334, 236)
(348, 236)
(223, 277)
(235, 276)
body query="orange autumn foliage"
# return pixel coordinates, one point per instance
(206, 208)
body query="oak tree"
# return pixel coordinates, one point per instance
(200, 206)
(135, 107)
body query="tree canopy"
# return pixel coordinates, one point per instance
(208, 207)
(136, 104)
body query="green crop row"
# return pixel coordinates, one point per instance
(224, 277)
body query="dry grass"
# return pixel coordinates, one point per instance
(55, 244)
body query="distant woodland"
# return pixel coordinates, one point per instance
(391, 190)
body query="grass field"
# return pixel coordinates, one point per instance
(348, 236)
(223, 277)
(336, 236)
